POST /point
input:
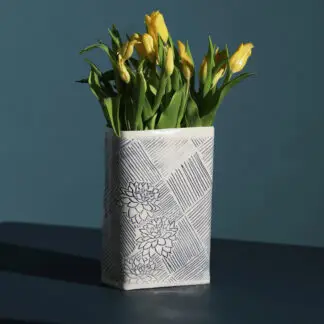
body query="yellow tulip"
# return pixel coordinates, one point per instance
(127, 49)
(219, 56)
(136, 37)
(139, 45)
(124, 74)
(148, 43)
(240, 57)
(187, 65)
(169, 62)
(217, 76)
(203, 70)
(144, 46)
(156, 26)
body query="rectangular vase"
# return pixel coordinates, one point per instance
(158, 200)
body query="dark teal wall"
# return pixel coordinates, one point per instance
(269, 161)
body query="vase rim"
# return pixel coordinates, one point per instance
(188, 131)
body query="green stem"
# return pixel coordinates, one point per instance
(183, 105)
(228, 77)
(158, 98)
(160, 93)
(151, 123)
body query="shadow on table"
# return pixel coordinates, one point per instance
(13, 321)
(248, 281)
(72, 255)
(55, 252)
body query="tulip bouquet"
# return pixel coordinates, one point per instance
(157, 89)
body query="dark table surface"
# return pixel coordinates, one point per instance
(51, 274)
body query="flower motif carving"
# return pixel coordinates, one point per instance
(139, 200)
(157, 236)
(140, 270)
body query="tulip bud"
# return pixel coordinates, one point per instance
(203, 70)
(217, 76)
(136, 36)
(169, 62)
(219, 57)
(124, 74)
(156, 26)
(187, 66)
(240, 57)
(148, 44)
(128, 49)
(187, 72)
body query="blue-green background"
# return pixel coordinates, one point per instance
(269, 161)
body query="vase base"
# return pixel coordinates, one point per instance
(136, 286)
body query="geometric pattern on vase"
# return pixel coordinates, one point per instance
(157, 208)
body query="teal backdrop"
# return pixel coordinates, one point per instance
(269, 158)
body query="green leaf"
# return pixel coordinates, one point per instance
(153, 89)
(219, 96)
(147, 109)
(134, 62)
(100, 85)
(98, 92)
(95, 46)
(228, 70)
(122, 114)
(160, 93)
(82, 81)
(116, 107)
(188, 51)
(161, 52)
(94, 67)
(210, 65)
(152, 122)
(176, 54)
(104, 48)
(192, 80)
(141, 83)
(108, 75)
(168, 86)
(176, 80)
(129, 113)
(168, 93)
(94, 84)
(112, 107)
(140, 90)
(226, 88)
(219, 65)
(192, 114)
(105, 77)
(115, 40)
(152, 75)
(185, 89)
(169, 116)
(116, 33)
(170, 41)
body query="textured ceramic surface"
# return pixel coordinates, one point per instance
(158, 194)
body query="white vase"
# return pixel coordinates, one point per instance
(158, 197)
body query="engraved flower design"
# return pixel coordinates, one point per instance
(158, 236)
(141, 200)
(140, 270)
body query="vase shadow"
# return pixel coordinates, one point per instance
(14, 321)
(51, 252)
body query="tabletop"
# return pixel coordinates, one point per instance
(51, 274)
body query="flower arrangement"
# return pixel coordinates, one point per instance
(157, 89)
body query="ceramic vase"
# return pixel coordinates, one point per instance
(156, 227)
